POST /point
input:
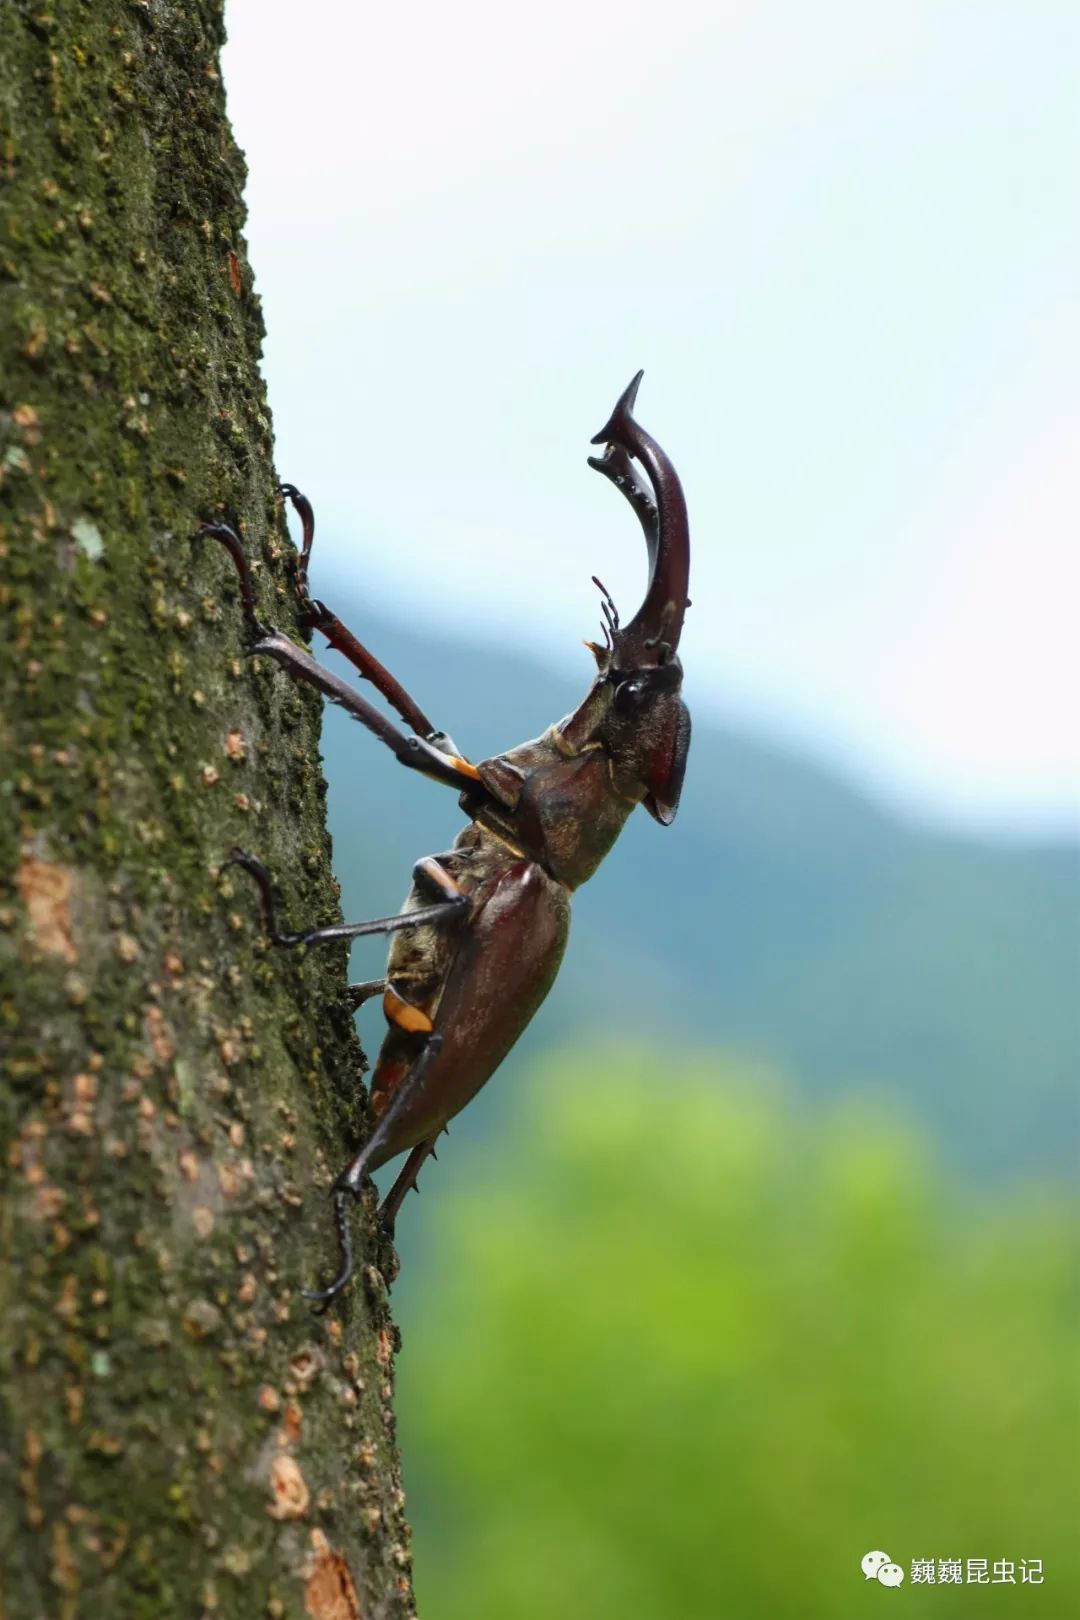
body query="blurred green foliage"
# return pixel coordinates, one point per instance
(676, 1350)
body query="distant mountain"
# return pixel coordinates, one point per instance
(785, 915)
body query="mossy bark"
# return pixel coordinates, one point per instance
(179, 1434)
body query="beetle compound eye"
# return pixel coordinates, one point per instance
(630, 694)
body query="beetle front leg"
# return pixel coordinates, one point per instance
(317, 616)
(433, 755)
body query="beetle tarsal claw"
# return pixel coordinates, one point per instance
(228, 537)
(323, 1296)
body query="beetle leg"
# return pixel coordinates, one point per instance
(359, 993)
(391, 1204)
(452, 903)
(317, 616)
(303, 508)
(414, 752)
(235, 547)
(351, 1178)
(424, 754)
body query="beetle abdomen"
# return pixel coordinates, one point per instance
(503, 965)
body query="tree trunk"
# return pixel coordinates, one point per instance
(180, 1435)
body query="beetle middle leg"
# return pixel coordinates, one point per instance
(452, 902)
(359, 993)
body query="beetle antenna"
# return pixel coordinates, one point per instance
(611, 612)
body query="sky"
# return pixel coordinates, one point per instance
(843, 241)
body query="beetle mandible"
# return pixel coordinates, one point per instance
(478, 942)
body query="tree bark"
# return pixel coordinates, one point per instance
(179, 1434)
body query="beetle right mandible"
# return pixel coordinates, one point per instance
(478, 943)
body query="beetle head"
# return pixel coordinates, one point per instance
(646, 727)
(646, 731)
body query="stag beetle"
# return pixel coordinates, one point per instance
(478, 942)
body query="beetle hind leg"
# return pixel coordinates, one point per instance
(405, 1183)
(350, 1180)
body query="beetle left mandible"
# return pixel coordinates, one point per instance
(478, 942)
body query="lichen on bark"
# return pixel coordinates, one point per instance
(179, 1434)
